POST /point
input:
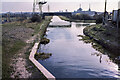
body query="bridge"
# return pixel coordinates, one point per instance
(56, 14)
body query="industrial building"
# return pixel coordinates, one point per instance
(89, 11)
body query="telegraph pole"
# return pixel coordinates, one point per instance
(118, 32)
(119, 14)
(80, 5)
(48, 8)
(89, 8)
(34, 6)
(104, 20)
(8, 17)
(118, 18)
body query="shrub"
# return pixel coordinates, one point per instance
(99, 19)
(43, 55)
(81, 17)
(36, 18)
(44, 41)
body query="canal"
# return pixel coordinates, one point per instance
(73, 58)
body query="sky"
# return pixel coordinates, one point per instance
(60, 0)
(58, 5)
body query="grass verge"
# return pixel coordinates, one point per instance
(73, 20)
(14, 36)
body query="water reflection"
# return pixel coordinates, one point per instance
(62, 26)
(57, 22)
(113, 57)
(72, 58)
(98, 55)
(83, 24)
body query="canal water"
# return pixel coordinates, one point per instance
(72, 58)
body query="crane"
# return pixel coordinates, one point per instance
(39, 3)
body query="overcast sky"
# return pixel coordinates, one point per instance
(56, 5)
(61, 0)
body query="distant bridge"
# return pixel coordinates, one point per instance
(57, 14)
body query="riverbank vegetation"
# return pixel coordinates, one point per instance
(42, 56)
(84, 18)
(105, 35)
(36, 18)
(76, 20)
(79, 18)
(103, 39)
(102, 50)
(44, 41)
(18, 37)
(94, 44)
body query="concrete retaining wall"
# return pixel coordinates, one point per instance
(46, 73)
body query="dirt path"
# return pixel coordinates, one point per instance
(36, 36)
(19, 61)
(18, 40)
(19, 64)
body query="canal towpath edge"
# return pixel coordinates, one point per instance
(46, 73)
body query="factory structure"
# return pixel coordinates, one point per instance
(89, 11)
(113, 16)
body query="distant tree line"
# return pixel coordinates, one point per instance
(98, 18)
(21, 16)
(78, 16)
(8, 17)
(82, 17)
(16, 15)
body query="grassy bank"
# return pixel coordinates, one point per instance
(106, 36)
(10, 48)
(16, 49)
(73, 20)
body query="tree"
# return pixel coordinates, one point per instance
(36, 18)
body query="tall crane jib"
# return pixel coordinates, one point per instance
(38, 3)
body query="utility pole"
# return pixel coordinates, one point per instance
(119, 14)
(89, 8)
(104, 20)
(8, 17)
(48, 8)
(117, 29)
(34, 6)
(80, 5)
(118, 19)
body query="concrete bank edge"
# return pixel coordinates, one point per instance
(46, 73)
